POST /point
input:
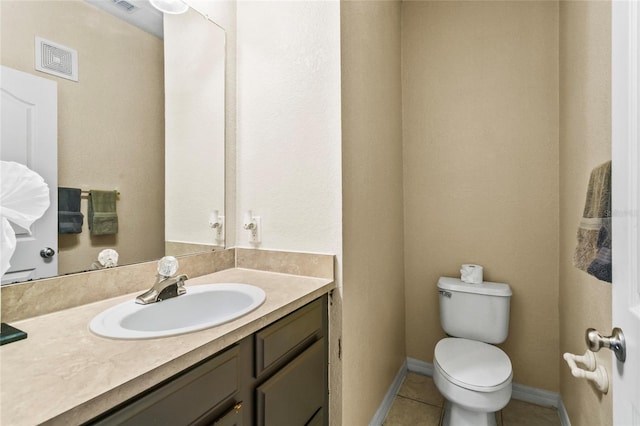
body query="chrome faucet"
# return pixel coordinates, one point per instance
(163, 289)
(167, 284)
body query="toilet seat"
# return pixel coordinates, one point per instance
(473, 365)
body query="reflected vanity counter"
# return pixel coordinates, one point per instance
(64, 374)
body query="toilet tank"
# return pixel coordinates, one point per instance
(474, 311)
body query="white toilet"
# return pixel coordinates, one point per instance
(473, 375)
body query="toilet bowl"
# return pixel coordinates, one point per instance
(471, 374)
(474, 377)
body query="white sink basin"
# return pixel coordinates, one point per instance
(203, 306)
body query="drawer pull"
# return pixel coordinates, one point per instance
(228, 417)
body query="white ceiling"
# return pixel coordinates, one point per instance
(143, 15)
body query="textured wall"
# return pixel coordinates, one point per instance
(480, 128)
(585, 142)
(288, 134)
(373, 289)
(288, 140)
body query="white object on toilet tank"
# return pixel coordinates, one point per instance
(471, 274)
(474, 311)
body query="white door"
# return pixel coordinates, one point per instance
(626, 207)
(29, 130)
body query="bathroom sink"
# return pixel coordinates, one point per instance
(203, 306)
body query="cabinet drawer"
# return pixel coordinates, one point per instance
(317, 419)
(186, 398)
(295, 394)
(232, 417)
(283, 340)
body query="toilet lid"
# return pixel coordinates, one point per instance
(473, 365)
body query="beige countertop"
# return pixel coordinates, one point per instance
(64, 374)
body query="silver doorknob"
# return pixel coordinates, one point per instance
(47, 252)
(615, 342)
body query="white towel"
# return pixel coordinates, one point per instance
(24, 197)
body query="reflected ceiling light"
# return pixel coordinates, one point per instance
(174, 7)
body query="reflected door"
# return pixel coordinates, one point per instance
(29, 136)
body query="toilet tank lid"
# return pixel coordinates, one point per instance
(486, 287)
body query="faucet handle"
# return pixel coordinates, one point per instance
(167, 266)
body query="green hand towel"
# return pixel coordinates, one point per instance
(103, 219)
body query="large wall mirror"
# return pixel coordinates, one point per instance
(145, 118)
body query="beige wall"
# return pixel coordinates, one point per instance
(585, 142)
(103, 141)
(480, 129)
(373, 335)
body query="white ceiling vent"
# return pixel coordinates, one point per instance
(125, 5)
(56, 59)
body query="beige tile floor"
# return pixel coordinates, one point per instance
(419, 403)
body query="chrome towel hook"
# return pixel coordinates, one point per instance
(615, 342)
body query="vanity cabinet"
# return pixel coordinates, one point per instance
(291, 368)
(201, 395)
(276, 377)
(295, 395)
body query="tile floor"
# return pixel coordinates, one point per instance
(419, 403)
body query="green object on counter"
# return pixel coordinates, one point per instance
(9, 334)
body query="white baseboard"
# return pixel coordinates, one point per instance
(390, 396)
(420, 367)
(520, 392)
(562, 412)
(535, 396)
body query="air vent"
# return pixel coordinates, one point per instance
(125, 5)
(56, 59)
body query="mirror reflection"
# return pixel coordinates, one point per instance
(115, 132)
